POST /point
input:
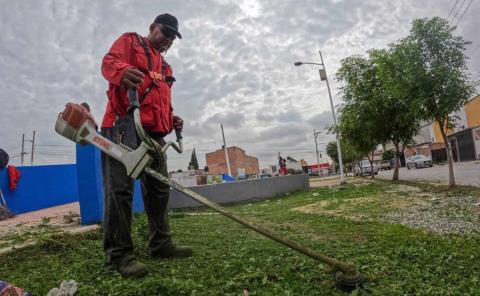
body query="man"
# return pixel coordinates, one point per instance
(137, 62)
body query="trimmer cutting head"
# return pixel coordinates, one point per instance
(348, 282)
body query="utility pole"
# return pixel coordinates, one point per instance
(23, 148)
(315, 134)
(323, 76)
(226, 152)
(23, 153)
(33, 148)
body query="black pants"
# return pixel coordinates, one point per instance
(118, 191)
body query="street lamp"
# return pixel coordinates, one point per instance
(315, 134)
(323, 77)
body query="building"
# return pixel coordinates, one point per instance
(464, 137)
(241, 164)
(293, 164)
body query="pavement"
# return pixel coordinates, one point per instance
(466, 173)
(32, 219)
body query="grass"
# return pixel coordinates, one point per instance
(229, 259)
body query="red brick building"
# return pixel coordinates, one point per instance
(240, 162)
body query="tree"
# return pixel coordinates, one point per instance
(400, 111)
(349, 154)
(388, 155)
(375, 111)
(357, 127)
(193, 165)
(436, 66)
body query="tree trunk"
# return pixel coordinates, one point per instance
(451, 177)
(397, 162)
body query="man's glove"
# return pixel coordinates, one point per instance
(132, 77)
(178, 123)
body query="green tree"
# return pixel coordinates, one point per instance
(357, 127)
(193, 161)
(388, 155)
(375, 110)
(359, 123)
(349, 154)
(400, 111)
(435, 64)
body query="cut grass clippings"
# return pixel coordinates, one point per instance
(229, 259)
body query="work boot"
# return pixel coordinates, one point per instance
(172, 251)
(133, 269)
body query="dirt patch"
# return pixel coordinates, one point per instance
(345, 208)
(396, 198)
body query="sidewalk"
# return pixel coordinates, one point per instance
(466, 173)
(28, 220)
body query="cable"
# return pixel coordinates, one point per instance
(53, 145)
(476, 77)
(451, 10)
(461, 17)
(459, 8)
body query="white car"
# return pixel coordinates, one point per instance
(364, 168)
(419, 161)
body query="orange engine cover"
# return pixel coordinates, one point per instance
(75, 115)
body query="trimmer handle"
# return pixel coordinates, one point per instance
(178, 134)
(133, 98)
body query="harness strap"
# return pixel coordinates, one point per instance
(152, 74)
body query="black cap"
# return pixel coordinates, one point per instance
(168, 21)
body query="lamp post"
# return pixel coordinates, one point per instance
(315, 134)
(323, 77)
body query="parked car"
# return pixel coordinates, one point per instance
(265, 175)
(419, 161)
(364, 168)
(384, 165)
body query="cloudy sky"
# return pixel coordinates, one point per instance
(233, 66)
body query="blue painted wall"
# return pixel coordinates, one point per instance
(90, 185)
(41, 187)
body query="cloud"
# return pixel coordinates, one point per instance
(234, 65)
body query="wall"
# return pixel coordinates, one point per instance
(472, 109)
(258, 189)
(90, 185)
(46, 186)
(41, 187)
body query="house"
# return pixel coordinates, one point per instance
(464, 137)
(294, 165)
(241, 164)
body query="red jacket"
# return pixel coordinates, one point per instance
(156, 108)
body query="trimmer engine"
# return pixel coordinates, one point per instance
(77, 124)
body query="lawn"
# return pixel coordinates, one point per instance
(406, 238)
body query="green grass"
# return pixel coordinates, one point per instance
(229, 259)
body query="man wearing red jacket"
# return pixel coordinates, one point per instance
(137, 62)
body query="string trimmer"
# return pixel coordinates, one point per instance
(77, 124)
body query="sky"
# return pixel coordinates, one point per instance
(234, 66)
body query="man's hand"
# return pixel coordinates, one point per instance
(178, 123)
(132, 77)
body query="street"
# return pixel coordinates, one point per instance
(466, 173)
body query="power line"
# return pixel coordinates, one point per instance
(451, 10)
(475, 49)
(459, 8)
(477, 76)
(54, 145)
(466, 9)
